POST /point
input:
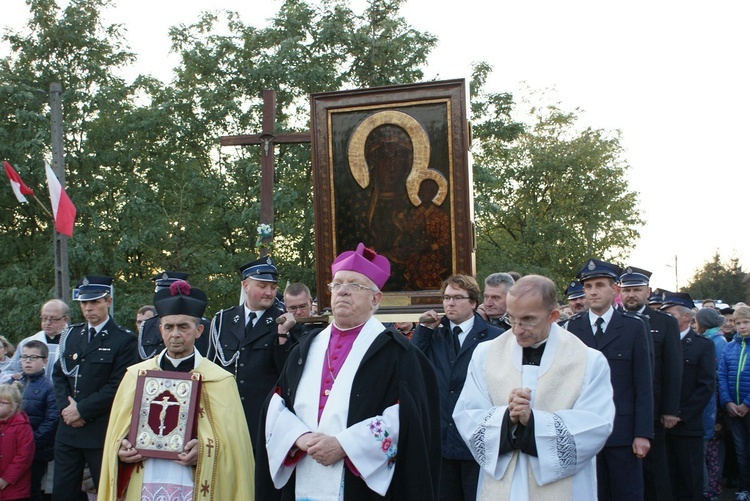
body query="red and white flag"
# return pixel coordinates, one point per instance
(19, 188)
(62, 207)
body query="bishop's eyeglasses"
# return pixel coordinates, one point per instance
(339, 287)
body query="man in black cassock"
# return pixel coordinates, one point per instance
(357, 406)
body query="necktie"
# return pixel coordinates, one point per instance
(249, 324)
(599, 334)
(92, 334)
(456, 342)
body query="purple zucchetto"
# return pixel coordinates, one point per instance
(365, 261)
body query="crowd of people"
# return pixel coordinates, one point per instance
(617, 392)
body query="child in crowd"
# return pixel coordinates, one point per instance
(734, 393)
(16, 444)
(40, 406)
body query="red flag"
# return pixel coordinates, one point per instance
(62, 207)
(19, 188)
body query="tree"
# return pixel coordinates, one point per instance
(549, 195)
(718, 280)
(152, 188)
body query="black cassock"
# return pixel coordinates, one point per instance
(392, 371)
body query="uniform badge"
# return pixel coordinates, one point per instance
(592, 265)
(629, 270)
(269, 321)
(75, 356)
(85, 281)
(165, 276)
(236, 319)
(572, 284)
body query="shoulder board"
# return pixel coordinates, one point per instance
(577, 316)
(76, 326)
(636, 316)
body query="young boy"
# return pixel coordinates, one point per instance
(39, 404)
(734, 392)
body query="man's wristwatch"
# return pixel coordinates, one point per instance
(285, 336)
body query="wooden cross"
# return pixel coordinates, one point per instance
(268, 138)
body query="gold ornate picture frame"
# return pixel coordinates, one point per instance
(391, 170)
(165, 412)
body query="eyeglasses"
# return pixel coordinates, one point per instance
(339, 287)
(51, 319)
(447, 299)
(525, 324)
(31, 358)
(297, 308)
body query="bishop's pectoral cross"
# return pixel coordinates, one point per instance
(268, 139)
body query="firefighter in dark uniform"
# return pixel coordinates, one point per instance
(623, 339)
(248, 342)
(93, 358)
(150, 342)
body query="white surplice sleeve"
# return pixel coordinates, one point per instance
(479, 422)
(283, 428)
(371, 446)
(567, 440)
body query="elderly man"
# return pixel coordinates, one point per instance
(92, 360)
(150, 342)
(355, 416)
(493, 308)
(665, 340)
(448, 345)
(623, 339)
(685, 431)
(196, 473)
(536, 420)
(54, 317)
(247, 341)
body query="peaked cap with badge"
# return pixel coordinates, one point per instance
(261, 269)
(634, 277)
(594, 268)
(574, 290)
(93, 287)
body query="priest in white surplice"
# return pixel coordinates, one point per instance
(356, 415)
(537, 404)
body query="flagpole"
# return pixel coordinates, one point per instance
(45, 210)
(62, 272)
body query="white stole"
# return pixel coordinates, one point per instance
(315, 481)
(557, 385)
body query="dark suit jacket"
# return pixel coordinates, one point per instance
(698, 384)
(437, 345)
(101, 366)
(665, 335)
(626, 346)
(260, 359)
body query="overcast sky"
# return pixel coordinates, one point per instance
(671, 76)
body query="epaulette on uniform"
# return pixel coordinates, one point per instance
(578, 315)
(634, 316)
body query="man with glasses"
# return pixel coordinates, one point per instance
(448, 344)
(246, 340)
(623, 339)
(355, 415)
(298, 300)
(54, 317)
(537, 404)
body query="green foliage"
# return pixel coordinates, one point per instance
(548, 195)
(718, 280)
(152, 188)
